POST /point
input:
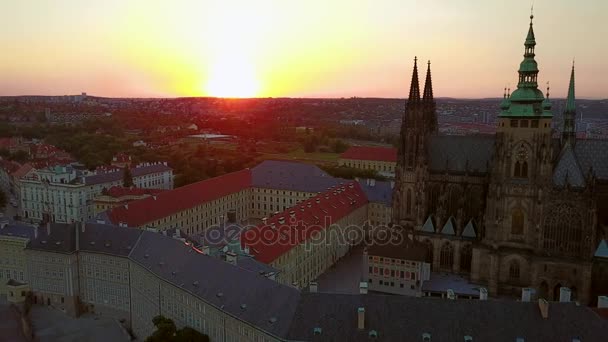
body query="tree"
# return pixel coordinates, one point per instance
(127, 178)
(167, 332)
(187, 334)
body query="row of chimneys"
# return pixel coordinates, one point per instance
(526, 295)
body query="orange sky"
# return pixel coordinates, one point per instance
(309, 48)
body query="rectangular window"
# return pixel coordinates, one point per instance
(514, 123)
(534, 123)
(524, 123)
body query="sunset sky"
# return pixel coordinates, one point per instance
(296, 48)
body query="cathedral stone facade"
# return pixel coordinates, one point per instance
(524, 208)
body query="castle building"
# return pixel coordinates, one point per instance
(379, 159)
(521, 208)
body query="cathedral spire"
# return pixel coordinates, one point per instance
(415, 86)
(569, 130)
(570, 105)
(527, 99)
(428, 85)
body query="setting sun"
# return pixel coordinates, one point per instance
(232, 76)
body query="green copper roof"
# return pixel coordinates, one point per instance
(527, 100)
(530, 39)
(528, 65)
(570, 103)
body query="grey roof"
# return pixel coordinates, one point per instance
(250, 264)
(118, 175)
(19, 230)
(182, 266)
(593, 154)
(380, 192)
(461, 153)
(108, 239)
(441, 282)
(284, 175)
(602, 250)
(568, 170)
(403, 318)
(62, 238)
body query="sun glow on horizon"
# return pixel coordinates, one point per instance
(232, 76)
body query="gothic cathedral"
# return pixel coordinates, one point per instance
(518, 209)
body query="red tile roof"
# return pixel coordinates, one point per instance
(23, 170)
(269, 241)
(170, 202)
(388, 154)
(9, 166)
(119, 191)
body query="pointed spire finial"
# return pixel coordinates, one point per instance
(428, 85)
(504, 96)
(548, 87)
(415, 86)
(532, 12)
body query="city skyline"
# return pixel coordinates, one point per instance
(273, 49)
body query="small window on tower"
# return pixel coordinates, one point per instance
(514, 123)
(524, 123)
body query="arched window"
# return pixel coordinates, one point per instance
(517, 221)
(409, 201)
(433, 200)
(514, 271)
(455, 193)
(517, 170)
(563, 231)
(524, 169)
(543, 290)
(446, 260)
(466, 255)
(473, 204)
(429, 252)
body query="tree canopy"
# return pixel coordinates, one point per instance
(166, 331)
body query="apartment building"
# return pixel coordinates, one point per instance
(381, 159)
(278, 185)
(52, 264)
(380, 197)
(13, 262)
(104, 269)
(268, 188)
(397, 267)
(229, 303)
(65, 194)
(304, 241)
(193, 207)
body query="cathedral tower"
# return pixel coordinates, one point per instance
(418, 124)
(522, 167)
